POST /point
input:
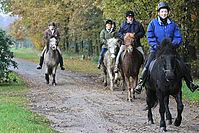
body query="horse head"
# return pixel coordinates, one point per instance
(112, 47)
(167, 54)
(53, 43)
(129, 40)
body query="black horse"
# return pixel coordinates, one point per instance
(165, 79)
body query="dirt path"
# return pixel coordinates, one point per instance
(80, 103)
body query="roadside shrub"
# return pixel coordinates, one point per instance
(5, 56)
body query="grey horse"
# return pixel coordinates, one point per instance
(51, 60)
(108, 64)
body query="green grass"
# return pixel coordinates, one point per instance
(14, 117)
(188, 96)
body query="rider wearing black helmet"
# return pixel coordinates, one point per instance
(159, 28)
(51, 32)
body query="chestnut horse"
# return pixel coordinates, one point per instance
(130, 65)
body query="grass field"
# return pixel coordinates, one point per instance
(14, 117)
(86, 66)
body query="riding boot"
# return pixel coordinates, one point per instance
(61, 63)
(142, 80)
(41, 62)
(189, 82)
(187, 77)
(99, 62)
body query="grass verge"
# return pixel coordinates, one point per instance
(14, 117)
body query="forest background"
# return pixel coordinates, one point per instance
(80, 22)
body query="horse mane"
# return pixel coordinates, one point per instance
(112, 41)
(166, 47)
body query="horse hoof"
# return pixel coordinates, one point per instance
(111, 89)
(105, 84)
(47, 82)
(129, 100)
(177, 123)
(168, 122)
(163, 129)
(151, 122)
(53, 84)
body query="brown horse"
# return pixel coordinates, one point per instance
(131, 63)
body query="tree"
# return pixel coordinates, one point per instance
(5, 56)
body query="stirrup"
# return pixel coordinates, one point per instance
(138, 89)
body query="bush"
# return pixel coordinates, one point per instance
(5, 56)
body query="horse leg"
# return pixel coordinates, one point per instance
(111, 78)
(149, 104)
(105, 76)
(53, 83)
(168, 114)
(47, 78)
(128, 88)
(161, 111)
(180, 106)
(134, 83)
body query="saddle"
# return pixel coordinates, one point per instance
(123, 53)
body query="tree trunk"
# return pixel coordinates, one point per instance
(90, 49)
(76, 45)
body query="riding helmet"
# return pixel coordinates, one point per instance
(109, 22)
(52, 23)
(130, 13)
(162, 5)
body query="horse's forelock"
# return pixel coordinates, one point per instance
(112, 41)
(166, 47)
(129, 36)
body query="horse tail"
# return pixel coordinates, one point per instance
(154, 100)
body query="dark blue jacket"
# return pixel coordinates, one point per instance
(157, 31)
(136, 27)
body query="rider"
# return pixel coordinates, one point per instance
(130, 26)
(113, 25)
(158, 29)
(106, 34)
(49, 33)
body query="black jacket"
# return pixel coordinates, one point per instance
(136, 27)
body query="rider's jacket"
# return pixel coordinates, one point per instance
(105, 35)
(157, 31)
(134, 27)
(48, 33)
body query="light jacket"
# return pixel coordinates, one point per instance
(135, 27)
(105, 35)
(157, 31)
